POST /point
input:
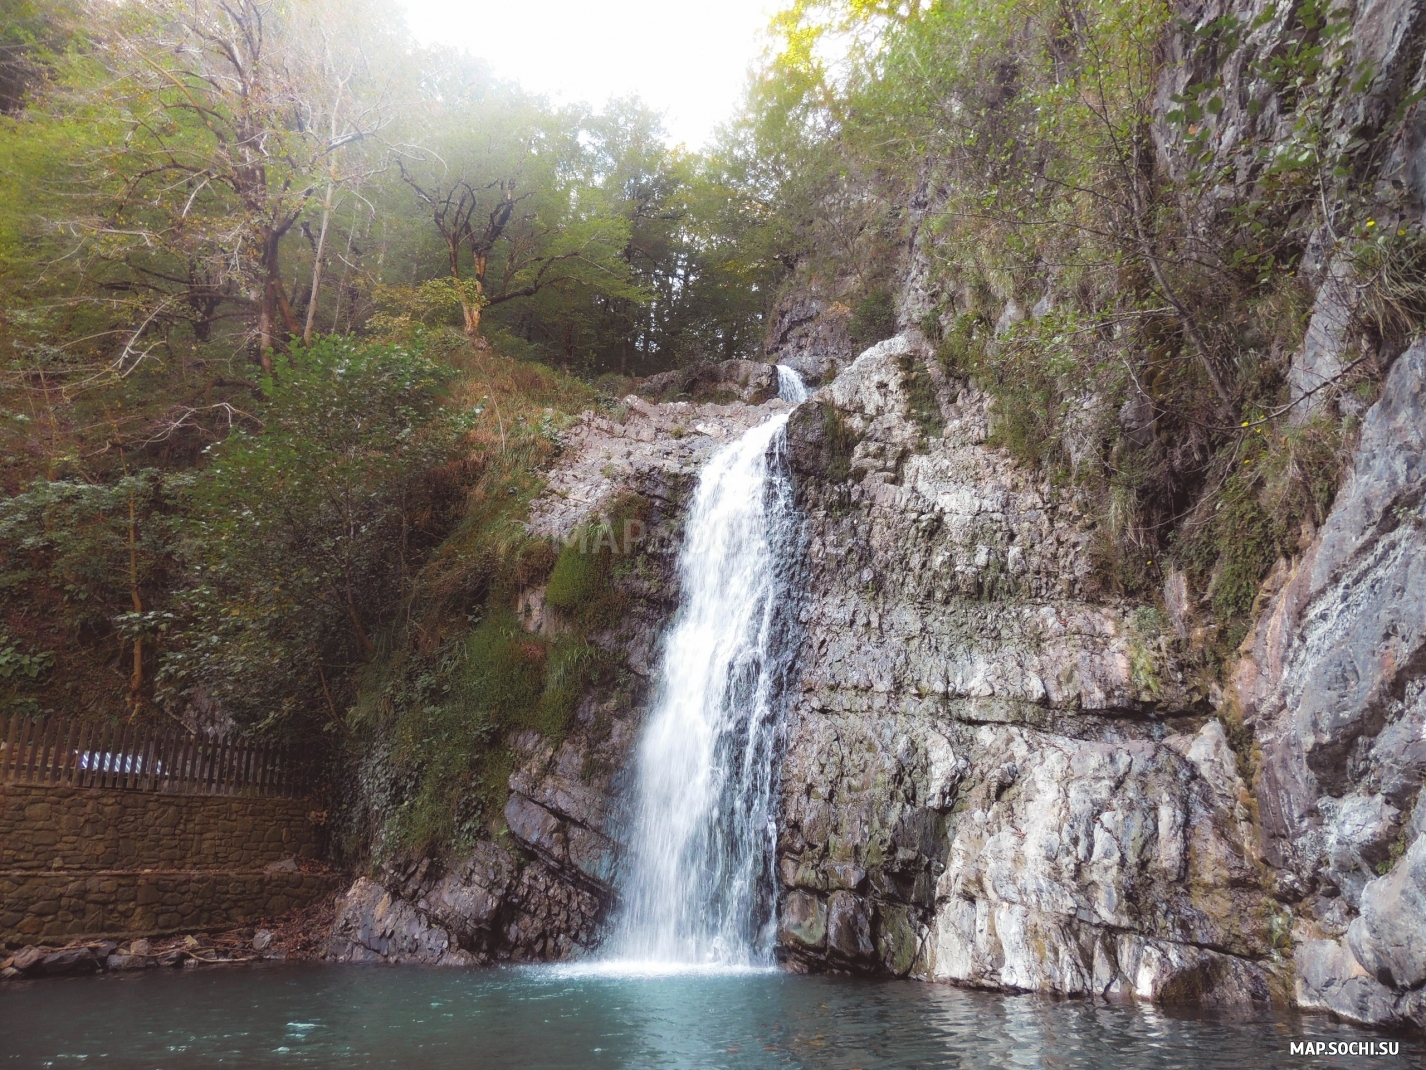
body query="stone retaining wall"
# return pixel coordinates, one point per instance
(54, 908)
(47, 827)
(81, 863)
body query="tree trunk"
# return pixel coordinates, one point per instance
(136, 680)
(268, 310)
(265, 316)
(317, 265)
(274, 302)
(469, 310)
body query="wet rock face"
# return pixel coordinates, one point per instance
(503, 903)
(1334, 684)
(810, 333)
(655, 450)
(992, 776)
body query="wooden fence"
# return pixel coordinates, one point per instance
(91, 754)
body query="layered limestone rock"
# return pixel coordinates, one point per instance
(811, 334)
(993, 776)
(748, 381)
(1334, 685)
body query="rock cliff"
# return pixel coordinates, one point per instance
(992, 777)
(992, 774)
(997, 776)
(1332, 681)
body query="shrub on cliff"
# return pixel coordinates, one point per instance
(299, 536)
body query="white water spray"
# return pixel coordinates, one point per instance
(790, 386)
(700, 888)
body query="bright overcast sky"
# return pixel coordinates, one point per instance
(685, 58)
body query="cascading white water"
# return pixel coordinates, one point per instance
(790, 386)
(699, 889)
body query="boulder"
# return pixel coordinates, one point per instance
(747, 381)
(849, 928)
(70, 960)
(802, 923)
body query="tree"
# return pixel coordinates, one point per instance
(31, 36)
(509, 200)
(227, 130)
(96, 555)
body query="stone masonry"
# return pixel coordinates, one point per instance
(79, 863)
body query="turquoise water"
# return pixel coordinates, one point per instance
(533, 1019)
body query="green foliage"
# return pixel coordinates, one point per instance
(1032, 373)
(602, 250)
(449, 718)
(457, 674)
(502, 673)
(153, 288)
(582, 584)
(1279, 482)
(1124, 317)
(580, 575)
(32, 36)
(925, 406)
(13, 661)
(839, 441)
(17, 669)
(86, 569)
(1390, 264)
(300, 535)
(873, 319)
(86, 548)
(1147, 626)
(961, 348)
(1232, 552)
(571, 669)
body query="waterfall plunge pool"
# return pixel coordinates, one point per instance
(553, 1018)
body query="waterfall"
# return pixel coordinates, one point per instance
(790, 386)
(700, 888)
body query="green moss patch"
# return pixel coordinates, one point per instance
(924, 405)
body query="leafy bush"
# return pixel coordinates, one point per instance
(17, 668)
(299, 537)
(873, 318)
(95, 559)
